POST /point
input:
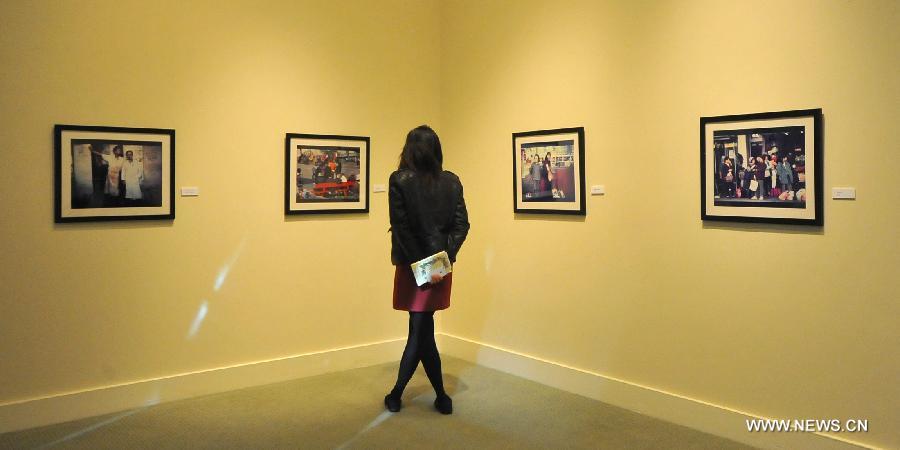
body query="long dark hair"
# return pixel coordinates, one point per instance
(422, 152)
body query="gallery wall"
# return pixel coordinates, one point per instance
(84, 306)
(771, 320)
(778, 321)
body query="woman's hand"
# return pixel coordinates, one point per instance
(436, 278)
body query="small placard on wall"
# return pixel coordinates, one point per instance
(190, 191)
(843, 193)
(598, 189)
(378, 188)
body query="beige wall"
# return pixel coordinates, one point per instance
(640, 289)
(89, 305)
(777, 321)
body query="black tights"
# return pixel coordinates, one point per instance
(420, 346)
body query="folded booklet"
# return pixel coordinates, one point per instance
(438, 263)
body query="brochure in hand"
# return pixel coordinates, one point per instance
(438, 263)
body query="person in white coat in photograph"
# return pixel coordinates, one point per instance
(132, 175)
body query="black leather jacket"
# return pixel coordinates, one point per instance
(426, 217)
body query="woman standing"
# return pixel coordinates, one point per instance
(428, 215)
(547, 175)
(536, 176)
(785, 176)
(527, 181)
(727, 180)
(759, 171)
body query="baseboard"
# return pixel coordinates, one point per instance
(696, 414)
(52, 409)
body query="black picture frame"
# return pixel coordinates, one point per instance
(562, 190)
(793, 198)
(336, 194)
(82, 195)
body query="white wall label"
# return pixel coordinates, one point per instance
(190, 191)
(378, 188)
(598, 190)
(844, 193)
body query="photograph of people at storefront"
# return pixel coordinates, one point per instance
(763, 167)
(548, 171)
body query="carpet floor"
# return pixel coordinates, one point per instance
(492, 409)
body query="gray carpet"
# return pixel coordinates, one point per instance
(345, 410)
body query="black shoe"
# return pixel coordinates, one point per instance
(392, 402)
(444, 404)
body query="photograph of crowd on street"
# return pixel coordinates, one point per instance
(760, 167)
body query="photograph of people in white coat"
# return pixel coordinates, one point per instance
(116, 174)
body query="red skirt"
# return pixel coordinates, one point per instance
(429, 297)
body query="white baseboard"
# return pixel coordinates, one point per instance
(696, 414)
(68, 406)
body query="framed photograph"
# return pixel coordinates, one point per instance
(113, 173)
(326, 174)
(763, 167)
(548, 171)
